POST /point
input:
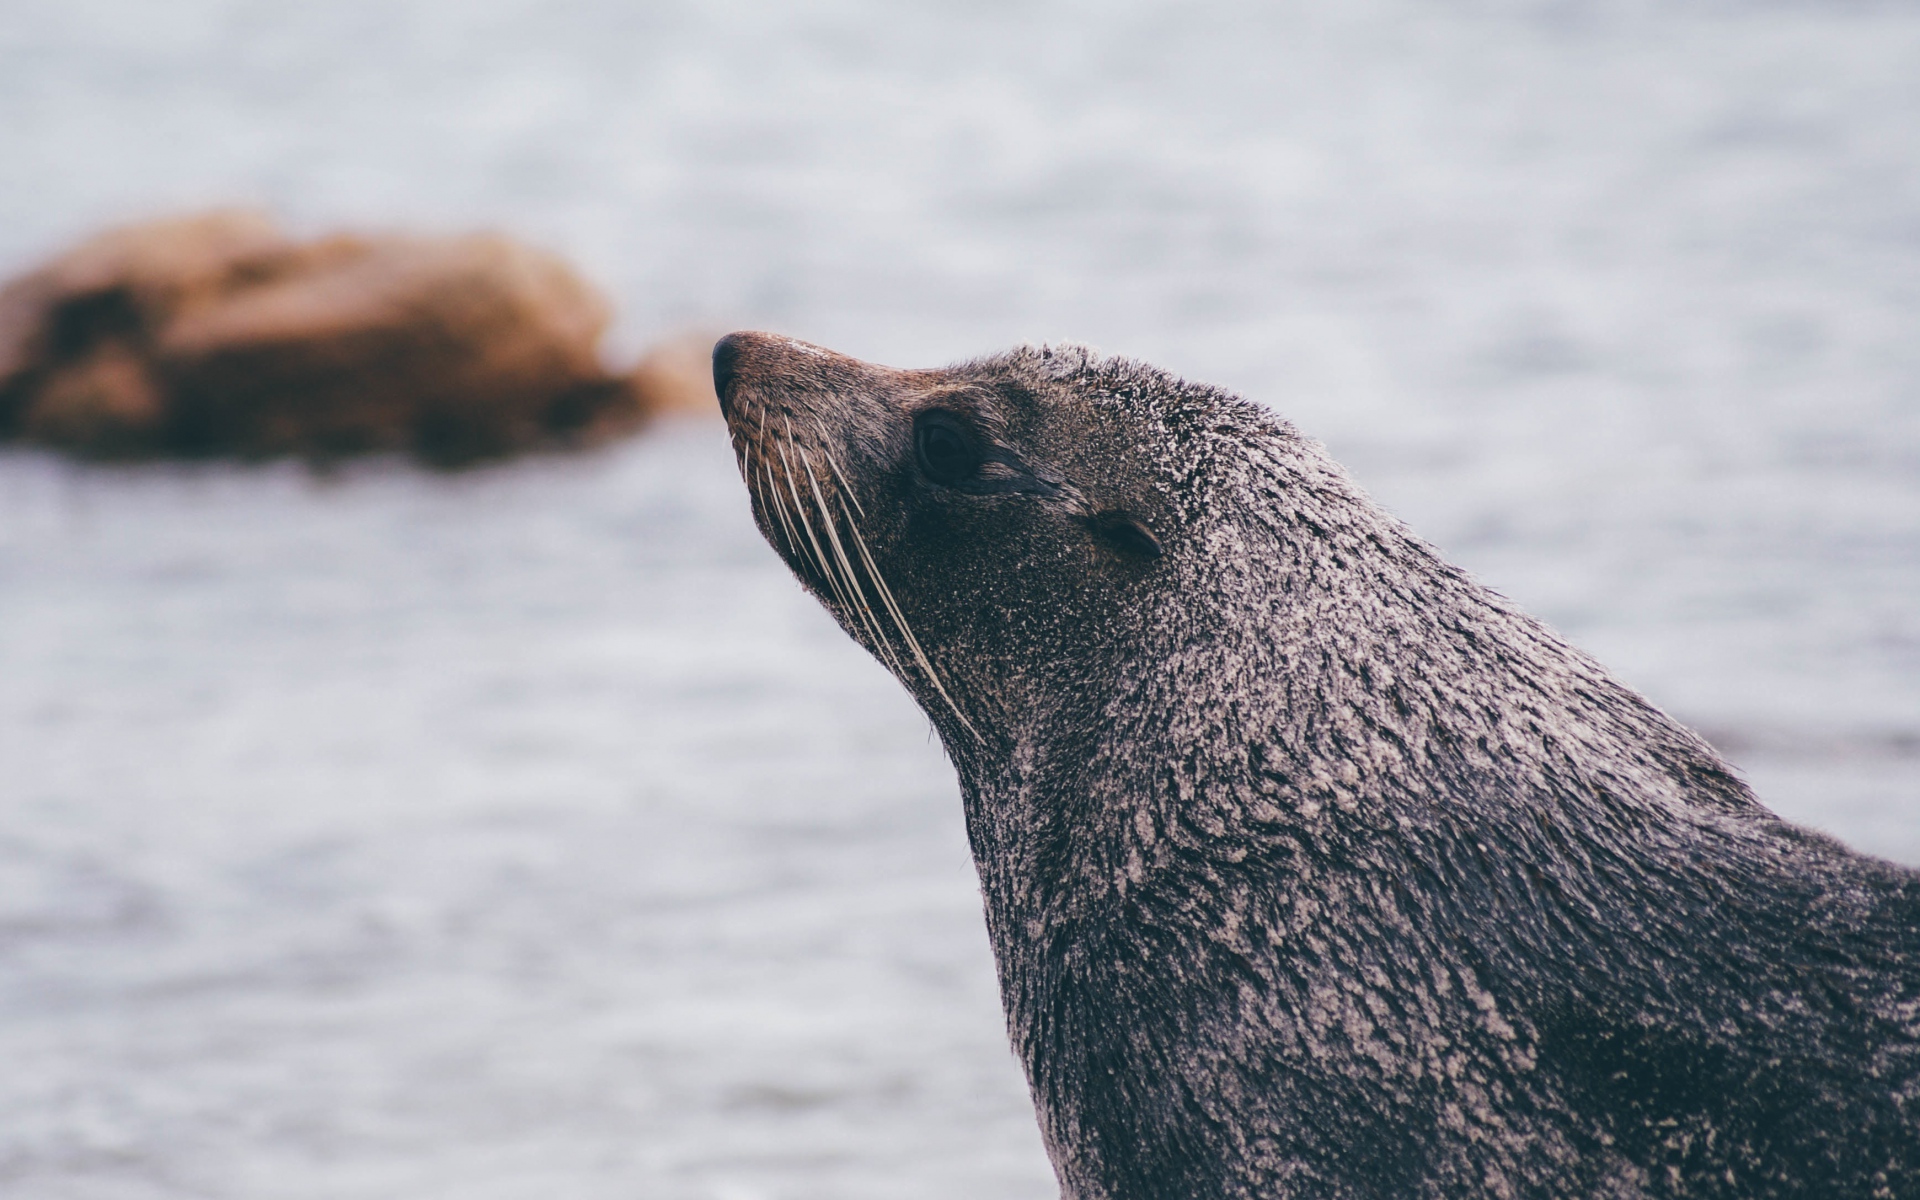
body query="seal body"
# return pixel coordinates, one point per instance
(1312, 867)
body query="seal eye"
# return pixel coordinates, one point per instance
(949, 453)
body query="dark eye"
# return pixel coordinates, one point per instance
(949, 452)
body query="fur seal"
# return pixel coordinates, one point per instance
(1312, 867)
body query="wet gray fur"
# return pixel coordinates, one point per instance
(1313, 868)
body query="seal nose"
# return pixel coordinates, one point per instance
(726, 360)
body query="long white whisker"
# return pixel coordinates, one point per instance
(846, 566)
(841, 575)
(906, 631)
(759, 489)
(738, 442)
(879, 631)
(795, 546)
(800, 512)
(846, 491)
(800, 505)
(779, 509)
(776, 516)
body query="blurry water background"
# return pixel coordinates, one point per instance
(528, 833)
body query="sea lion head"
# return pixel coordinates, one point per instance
(1311, 866)
(1001, 534)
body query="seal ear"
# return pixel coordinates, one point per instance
(1125, 533)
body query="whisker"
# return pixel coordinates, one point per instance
(776, 511)
(800, 546)
(800, 505)
(846, 491)
(739, 445)
(865, 610)
(906, 631)
(757, 482)
(800, 512)
(781, 499)
(859, 593)
(879, 631)
(759, 492)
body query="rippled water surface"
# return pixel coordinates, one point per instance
(527, 833)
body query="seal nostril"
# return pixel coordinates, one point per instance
(726, 360)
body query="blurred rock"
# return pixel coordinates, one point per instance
(675, 377)
(454, 349)
(105, 405)
(219, 335)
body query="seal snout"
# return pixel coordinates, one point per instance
(747, 355)
(726, 363)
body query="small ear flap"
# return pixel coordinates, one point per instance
(1126, 533)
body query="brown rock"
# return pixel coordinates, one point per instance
(455, 349)
(675, 377)
(120, 286)
(219, 335)
(106, 405)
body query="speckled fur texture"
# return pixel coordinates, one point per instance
(1313, 868)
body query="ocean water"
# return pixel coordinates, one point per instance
(526, 832)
